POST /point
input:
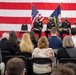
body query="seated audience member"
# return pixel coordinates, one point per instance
(26, 46)
(73, 32)
(62, 70)
(7, 45)
(72, 66)
(54, 41)
(33, 39)
(2, 65)
(50, 24)
(13, 38)
(38, 26)
(42, 51)
(26, 43)
(68, 50)
(15, 66)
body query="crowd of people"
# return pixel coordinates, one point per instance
(43, 47)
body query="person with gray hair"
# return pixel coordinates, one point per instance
(68, 50)
(5, 35)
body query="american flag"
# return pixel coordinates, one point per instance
(35, 13)
(14, 13)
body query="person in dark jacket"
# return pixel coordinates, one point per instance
(68, 50)
(7, 45)
(50, 24)
(38, 26)
(66, 26)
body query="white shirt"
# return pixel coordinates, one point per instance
(74, 40)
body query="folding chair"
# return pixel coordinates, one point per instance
(28, 57)
(41, 61)
(67, 60)
(4, 55)
(26, 54)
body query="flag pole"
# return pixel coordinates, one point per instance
(31, 15)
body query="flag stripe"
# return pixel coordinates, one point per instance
(9, 27)
(45, 6)
(22, 20)
(27, 13)
(15, 20)
(17, 27)
(50, 1)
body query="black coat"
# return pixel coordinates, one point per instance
(66, 25)
(50, 25)
(38, 25)
(6, 45)
(66, 53)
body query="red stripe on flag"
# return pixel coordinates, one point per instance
(15, 20)
(22, 20)
(39, 6)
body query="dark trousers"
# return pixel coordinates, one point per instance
(64, 32)
(46, 33)
(38, 32)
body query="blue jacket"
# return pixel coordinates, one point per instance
(55, 42)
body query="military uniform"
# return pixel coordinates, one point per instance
(48, 28)
(38, 27)
(66, 26)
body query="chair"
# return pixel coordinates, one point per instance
(26, 54)
(24, 28)
(4, 55)
(28, 57)
(67, 60)
(41, 61)
(22, 57)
